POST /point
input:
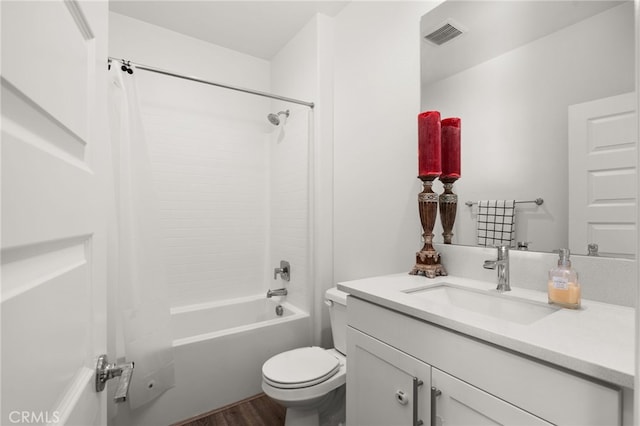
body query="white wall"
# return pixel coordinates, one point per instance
(152, 45)
(515, 126)
(293, 74)
(377, 99)
(302, 220)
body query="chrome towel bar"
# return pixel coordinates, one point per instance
(538, 202)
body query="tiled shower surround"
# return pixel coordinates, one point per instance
(232, 189)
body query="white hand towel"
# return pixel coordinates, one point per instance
(496, 222)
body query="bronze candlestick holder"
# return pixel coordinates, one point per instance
(428, 259)
(448, 203)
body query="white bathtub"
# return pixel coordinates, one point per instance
(193, 323)
(219, 349)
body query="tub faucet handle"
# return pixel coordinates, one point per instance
(284, 270)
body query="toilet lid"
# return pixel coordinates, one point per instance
(300, 367)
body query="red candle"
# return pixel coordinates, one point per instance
(451, 148)
(429, 136)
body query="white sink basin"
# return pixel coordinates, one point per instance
(491, 303)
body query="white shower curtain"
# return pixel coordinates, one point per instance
(143, 331)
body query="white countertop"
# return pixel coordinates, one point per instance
(596, 340)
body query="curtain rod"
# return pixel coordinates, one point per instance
(199, 80)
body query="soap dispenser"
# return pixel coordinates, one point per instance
(563, 286)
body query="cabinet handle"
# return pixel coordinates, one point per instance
(434, 394)
(416, 384)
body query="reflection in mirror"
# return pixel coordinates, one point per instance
(512, 76)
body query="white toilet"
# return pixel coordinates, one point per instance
(310, 382)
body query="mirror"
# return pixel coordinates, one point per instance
(511, 76)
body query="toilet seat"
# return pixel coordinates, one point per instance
(299, 368)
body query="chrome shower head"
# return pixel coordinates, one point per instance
(275, 118)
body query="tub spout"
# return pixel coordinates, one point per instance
(277, 292)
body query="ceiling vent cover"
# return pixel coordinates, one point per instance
(447, 32)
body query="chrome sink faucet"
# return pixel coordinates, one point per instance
(502, 265)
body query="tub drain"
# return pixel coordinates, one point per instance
(279, 310)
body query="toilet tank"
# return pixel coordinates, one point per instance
(337, 302)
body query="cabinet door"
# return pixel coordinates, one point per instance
(385, 386)
(459, 403)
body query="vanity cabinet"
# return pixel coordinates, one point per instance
(389, 386)
(465, 380)
(457, 403)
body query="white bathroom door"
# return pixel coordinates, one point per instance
(54, 137)
(602, 175)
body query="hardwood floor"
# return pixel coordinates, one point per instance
(258, 410)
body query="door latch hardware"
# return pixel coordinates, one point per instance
(106, 371)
